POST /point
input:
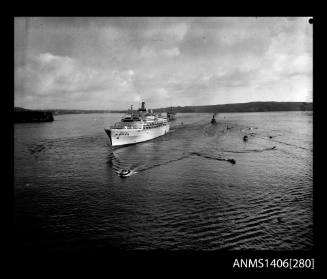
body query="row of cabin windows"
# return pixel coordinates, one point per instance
(147, 126)
(153, 125)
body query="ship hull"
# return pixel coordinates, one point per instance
(119, 137)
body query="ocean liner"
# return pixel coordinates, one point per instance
(138, 126)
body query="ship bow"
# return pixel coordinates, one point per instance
(109, 135)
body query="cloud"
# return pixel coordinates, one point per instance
(150, 52)
(111, 62)
(175, 32)
(48, 74)
(56, 77)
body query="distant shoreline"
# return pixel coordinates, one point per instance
(226, 108)
(120, 112)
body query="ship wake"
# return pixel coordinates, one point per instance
(117, 165)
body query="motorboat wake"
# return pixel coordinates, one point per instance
(125, 172)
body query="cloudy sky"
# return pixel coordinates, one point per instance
(111, 63)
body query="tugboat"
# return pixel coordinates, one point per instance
(213, 120)
(171, 114)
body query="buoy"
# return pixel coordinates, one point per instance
(245, 138)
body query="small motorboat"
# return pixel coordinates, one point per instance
(231, 160)
(124, 173)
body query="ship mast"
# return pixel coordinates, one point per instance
(131, 111)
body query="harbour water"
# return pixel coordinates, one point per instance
(183, 194)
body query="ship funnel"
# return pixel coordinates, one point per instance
(143, 106)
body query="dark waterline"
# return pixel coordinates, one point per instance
(184, 193)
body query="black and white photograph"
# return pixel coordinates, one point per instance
(163, 133)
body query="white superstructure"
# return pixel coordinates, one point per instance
(138, 126)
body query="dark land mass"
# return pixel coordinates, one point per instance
(245, 107)
(238, 107)
(27, 116)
